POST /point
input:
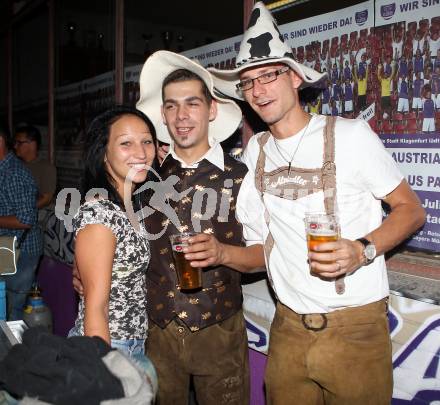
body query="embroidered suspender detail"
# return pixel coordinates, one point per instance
(261, 162)
(329, 167)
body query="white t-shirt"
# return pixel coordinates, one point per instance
(310, 63)
(417, 44)
(359, 55)
(365, 172)
(397, 49)
(346, 57)
(434, 46)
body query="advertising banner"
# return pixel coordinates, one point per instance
(410, 29)
(394, 11)
(415, 335)
(220, 54)
(328, 26)
(131, 84)
(316, 29)
(418, 156)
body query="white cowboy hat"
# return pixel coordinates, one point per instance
(262, 43)
(156, 68)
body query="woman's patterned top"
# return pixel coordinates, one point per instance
(128, 292)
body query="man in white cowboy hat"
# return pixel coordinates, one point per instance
(200, 334)
(329, 341)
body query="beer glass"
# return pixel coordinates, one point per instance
(321, 228)
(189, 278)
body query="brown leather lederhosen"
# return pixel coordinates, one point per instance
(303, 183)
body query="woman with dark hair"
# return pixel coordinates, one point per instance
(111, 251)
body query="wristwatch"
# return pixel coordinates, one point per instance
(369, 252)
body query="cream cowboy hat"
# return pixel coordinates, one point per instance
(156, 68)
(262, 43)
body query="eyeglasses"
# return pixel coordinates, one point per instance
(22, 142)
(264, 78)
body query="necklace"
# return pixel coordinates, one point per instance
(289, 161)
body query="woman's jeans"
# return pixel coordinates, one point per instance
(130, 347)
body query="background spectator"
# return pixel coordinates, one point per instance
(18, 217)
(27, 147)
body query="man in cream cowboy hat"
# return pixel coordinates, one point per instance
(198, 334)
(329, 341)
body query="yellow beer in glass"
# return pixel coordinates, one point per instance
(321, 228)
